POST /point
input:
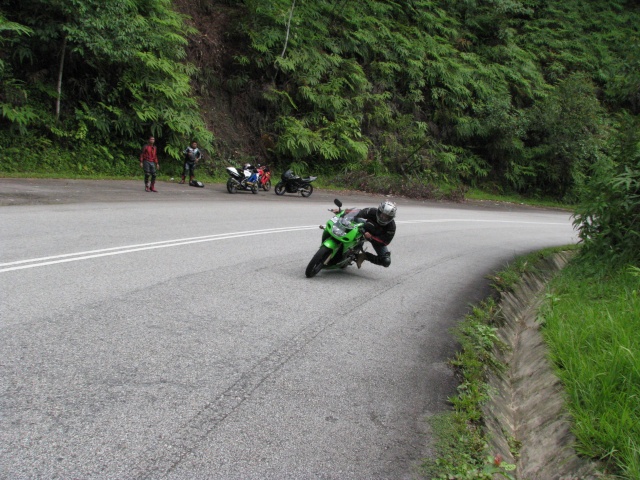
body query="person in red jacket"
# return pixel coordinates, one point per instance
(149, 162)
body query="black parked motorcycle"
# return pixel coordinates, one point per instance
(291, 183)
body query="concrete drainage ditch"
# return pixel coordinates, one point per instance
(527, 405)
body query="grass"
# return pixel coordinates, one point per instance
(161, 177)
(592, 326)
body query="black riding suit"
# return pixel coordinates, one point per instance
(191, 156)
(381, 236)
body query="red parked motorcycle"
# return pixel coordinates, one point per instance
(265, 177)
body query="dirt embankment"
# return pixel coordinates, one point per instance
(231, 115)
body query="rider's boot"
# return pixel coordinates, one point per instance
(153, 188)
(182, 181)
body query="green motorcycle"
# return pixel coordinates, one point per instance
(342, 241)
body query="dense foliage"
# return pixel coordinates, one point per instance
(515, 94)
(83, 72)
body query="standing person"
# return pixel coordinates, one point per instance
(191, 157)
(379, 229)
(149, 162)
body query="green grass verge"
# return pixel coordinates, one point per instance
(592, 326)
(99, 176)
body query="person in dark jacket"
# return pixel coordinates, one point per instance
(379, 229)
(192, 156)
(149, 162)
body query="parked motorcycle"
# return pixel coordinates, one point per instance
(245, 178)
(291, 183)
(265, 177)
(342, 241)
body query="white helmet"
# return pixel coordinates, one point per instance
(386, 212)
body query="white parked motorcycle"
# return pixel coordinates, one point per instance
(245, 178)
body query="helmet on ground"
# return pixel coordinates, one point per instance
(386, 212)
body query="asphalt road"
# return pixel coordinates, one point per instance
(174, 335)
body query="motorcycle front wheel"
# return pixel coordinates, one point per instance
(279, 188)
(266, 186)
(306, 190)
(317, 262)
(231, 186)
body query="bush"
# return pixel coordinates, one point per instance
(608, 217)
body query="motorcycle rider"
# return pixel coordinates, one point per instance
(192, 156)
(380, 228)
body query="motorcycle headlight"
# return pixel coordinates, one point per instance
(338, 230)
(341, 227)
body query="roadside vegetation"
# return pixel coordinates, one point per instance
(461, 445)
(591, 323)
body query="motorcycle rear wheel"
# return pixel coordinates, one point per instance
(317, 262)
(306, 190)
(254, 188)
(280, 188)
(231, 186)
(266, 186)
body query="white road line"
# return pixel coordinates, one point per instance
(105, 252)
(52, 260)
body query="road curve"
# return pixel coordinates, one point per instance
(174, 335)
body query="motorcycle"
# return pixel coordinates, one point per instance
(246, 178)
(265, 177)
(291, 183)
(342, 241)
